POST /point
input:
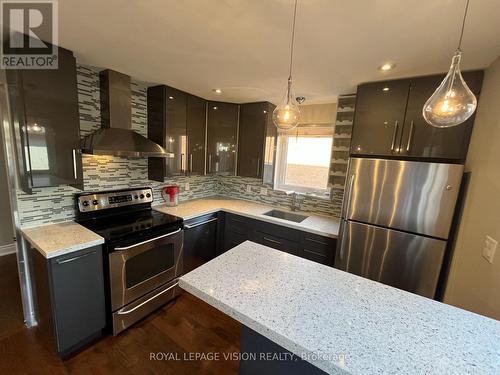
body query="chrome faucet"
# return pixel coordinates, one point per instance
(296, 200)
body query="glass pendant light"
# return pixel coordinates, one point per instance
(452, 103)
(286, 115)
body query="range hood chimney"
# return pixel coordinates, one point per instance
(116, 136)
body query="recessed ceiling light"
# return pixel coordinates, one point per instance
(385, 89)
(217, 91)
(215, 108)
(386, 67)
(170, 97)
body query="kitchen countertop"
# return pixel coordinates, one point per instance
(343, 323)
(317, 224)
(58, 239)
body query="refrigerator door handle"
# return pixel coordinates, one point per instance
(349, 196)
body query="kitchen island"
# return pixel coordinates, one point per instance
(337, 322)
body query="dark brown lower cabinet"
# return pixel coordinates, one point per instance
(238, 229)
(70, 298)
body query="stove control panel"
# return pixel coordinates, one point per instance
(113, 199)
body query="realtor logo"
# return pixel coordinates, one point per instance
(29, 34)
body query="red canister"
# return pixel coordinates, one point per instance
(171, 195)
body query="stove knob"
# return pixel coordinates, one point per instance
(136, 196)
(85, 203)
(141, 196)
(148, 195)
(95, 202)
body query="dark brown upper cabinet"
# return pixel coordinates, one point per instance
(419, 139)
(176, 121)
(222, 129)
(389, 122)
(379, 118)
(256, 141)
(196, 132)
(44, 106)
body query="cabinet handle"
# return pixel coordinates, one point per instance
(75, 171)
(182, 163)
(271, 240)
(191, 163)
(316, 241)
(187, 226)
(410, 137)
(75, 258)
(258, 167)
(394, 135)
(209, 163)
(315, 253)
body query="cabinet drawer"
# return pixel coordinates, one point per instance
(278, 231)
(317, 248)
(238, 225)
(278, 243)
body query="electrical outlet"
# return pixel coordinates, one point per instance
(186, 187)
(263, 191)
(490, 246)
(249, 188)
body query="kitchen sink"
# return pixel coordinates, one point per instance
(286, 215)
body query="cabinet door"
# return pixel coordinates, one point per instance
(200, 241)
(78, 297)
(175, 131)
(222, 125)
(52, 123)
(196, 130)
(420, 139)
(251, 139)
(237, 229)
(378, 121)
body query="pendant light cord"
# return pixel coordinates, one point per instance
(463, 25)
(293, 40)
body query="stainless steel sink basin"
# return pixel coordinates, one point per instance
(286, 215)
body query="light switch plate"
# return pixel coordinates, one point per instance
(249, 188)
(186, 187)
(490, 246)
(263, 191)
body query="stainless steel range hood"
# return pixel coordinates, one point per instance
(116, 136)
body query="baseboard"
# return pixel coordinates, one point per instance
(7, 249)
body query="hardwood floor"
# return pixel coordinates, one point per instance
(186, 325)
(11, 311)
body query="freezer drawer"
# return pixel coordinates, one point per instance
(399, 259)
(411, 196)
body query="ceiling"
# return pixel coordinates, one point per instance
(242, 46)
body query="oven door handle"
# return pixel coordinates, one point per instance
(125, 312)
(144, 242)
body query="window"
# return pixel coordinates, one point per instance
(303, 160)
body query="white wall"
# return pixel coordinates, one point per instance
(474, 284)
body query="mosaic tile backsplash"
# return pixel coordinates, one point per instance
(56, 204)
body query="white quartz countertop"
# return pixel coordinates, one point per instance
(317, 224)
(343, 323)
(58, 239)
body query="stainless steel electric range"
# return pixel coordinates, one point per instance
(142, 252)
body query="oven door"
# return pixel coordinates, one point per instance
(138, 269)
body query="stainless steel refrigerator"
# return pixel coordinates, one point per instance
(396, 219)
